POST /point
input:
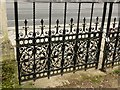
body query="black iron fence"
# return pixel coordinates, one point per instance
(49, 52)
(112, 45)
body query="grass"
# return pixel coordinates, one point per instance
(8, 74)
(96, 79)
(116, 71)
(9, 68)
(93, 79)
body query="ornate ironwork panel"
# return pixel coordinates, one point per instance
(111, 55)
(60, 49)
(112, 46)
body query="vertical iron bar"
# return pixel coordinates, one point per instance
(71, 25)
(88, 43)
(114, 23)
(49, 39)
(17, 39)
(91, 17)
(34, 51)
(96, 23)
(57, 27)
(25, 27)
(76, 46)
(113, 26)
(109, 17)
(63, 46)
(101, 29)
(116, 42)
(108, 27)
(42, 26)
(84, 24)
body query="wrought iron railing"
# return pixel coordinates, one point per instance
(49, 52)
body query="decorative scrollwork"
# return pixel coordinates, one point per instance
(21, 35)
(37, 34)
(68, 54)
(41, 58)
(82, 49)
(93, 49)
(117, 53)
(110, 50)
(26, 58)
(56, 56)
(36, 52)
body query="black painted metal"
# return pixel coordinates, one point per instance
(42, 26)
(49, 52)
(49, 39)
(76, 46)
(117, 44)
(17, 41)
(112, 48)
(111, 56)
(88, 43)
(63, 46)
(34, 41)
(107, 36)
(57, 27)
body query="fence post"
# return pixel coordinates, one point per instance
(49, 39)
(17, 39)
(63, 46)
(99, 63)
(34, 41)
(105, 47)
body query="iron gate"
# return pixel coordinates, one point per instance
(112, 43)
(49, 52)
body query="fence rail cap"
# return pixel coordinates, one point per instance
(61, 1)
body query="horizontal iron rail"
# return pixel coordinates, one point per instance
(68, 1)
(88, 40)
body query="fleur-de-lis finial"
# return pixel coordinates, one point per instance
(71, 24)
(97, 20)
(114, 23)
(71, 20)
(42, 21)
(42, 25)
(96, 23)
(84, 22)
(57, 27)
(25, 22)
(57, 22)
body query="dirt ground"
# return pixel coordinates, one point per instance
(81, 79)
(89, 81)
